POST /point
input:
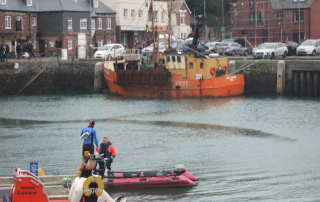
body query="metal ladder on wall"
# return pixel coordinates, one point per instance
(26, 81)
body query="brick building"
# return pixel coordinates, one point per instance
(261, 21)
(52, 25)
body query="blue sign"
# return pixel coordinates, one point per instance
(34, 168)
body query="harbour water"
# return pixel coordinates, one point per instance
(241, 148)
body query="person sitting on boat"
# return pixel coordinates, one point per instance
(89, 136)
(109, 152)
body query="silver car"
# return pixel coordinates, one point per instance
(271, 50)
(232, 49)
(309, 47)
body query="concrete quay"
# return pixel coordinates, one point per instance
(294, 75)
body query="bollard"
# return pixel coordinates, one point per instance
(281, 77)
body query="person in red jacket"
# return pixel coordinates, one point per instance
(109, 152)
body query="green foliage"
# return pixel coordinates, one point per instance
(7, 66)
(213, 10)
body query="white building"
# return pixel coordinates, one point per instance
(133, 18)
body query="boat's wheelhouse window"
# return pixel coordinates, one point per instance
(190, 65)
(168, 58)
(179, 59)
(201, 65)
(173, 58)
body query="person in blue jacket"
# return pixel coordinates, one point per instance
(89, 136)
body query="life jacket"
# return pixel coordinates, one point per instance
(104, 149)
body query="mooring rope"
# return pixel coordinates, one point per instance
(242, 67)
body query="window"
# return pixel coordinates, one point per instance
(132, 13)
(69, 44)
(83, 23)
(298, 0)
(108, 23)
(149, 15)
(33, 21)
(99, 23)
(163, 14)
(69, 23)
(100, 42)
(95, 3)
(3, 2)
(140, 14)
(125, 13)
(168, 58)
(19, 25)
(296, 16)
(280, 15)
(155, 16)
(8, 22)
(29, 2)
(191, 65)
(108, 41)
(201, 65)
(58, 44)
(93, 24)
(182, 18)
(173, 58)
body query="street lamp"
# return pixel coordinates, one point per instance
(299, 21)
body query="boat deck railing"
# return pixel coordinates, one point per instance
(132, 54)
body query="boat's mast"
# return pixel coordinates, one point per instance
(155, 46)
(169, 24)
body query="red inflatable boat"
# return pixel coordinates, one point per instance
(178, 177)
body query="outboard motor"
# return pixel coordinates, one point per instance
(179, 169)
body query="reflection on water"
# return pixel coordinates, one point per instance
(241, 148)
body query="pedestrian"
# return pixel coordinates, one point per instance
(109, 151)
(1, 53)
(90, 136)
(24, 48)
(30, 49)
(6, 51)
(18, 51)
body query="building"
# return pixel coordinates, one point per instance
(134, 17)
(261, 21)
(181, 19)
(103, 22)
(53, 25)
(19, 22)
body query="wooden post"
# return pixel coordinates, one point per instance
(309, 83)
(98, 77)
(315, 83)
(302, 83)
(281, 77)
(296, 82)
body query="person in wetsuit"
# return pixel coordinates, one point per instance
(88, 143)
(109, 151)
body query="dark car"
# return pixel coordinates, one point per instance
(292, 47)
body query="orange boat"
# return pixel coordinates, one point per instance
(179, 76)
(172, 74)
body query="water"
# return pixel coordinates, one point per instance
(241, 148)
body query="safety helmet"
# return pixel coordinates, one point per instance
(91, 123)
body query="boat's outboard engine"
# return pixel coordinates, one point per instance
(179, 169)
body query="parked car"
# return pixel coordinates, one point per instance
(109, 50)
(309, 47)
(212, 46)
(271, 50)
(232, 49)
(292, 47)
(239, 41)
(258, 47)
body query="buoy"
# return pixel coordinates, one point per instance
(40, 172)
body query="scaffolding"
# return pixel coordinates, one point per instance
(261, 21)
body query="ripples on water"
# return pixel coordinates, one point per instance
(241, 148)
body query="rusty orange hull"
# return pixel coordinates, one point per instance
(179, 88)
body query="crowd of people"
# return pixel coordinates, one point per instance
(26, 48)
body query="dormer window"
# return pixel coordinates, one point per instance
(95, 3)
(3, 2)
(29, 2)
